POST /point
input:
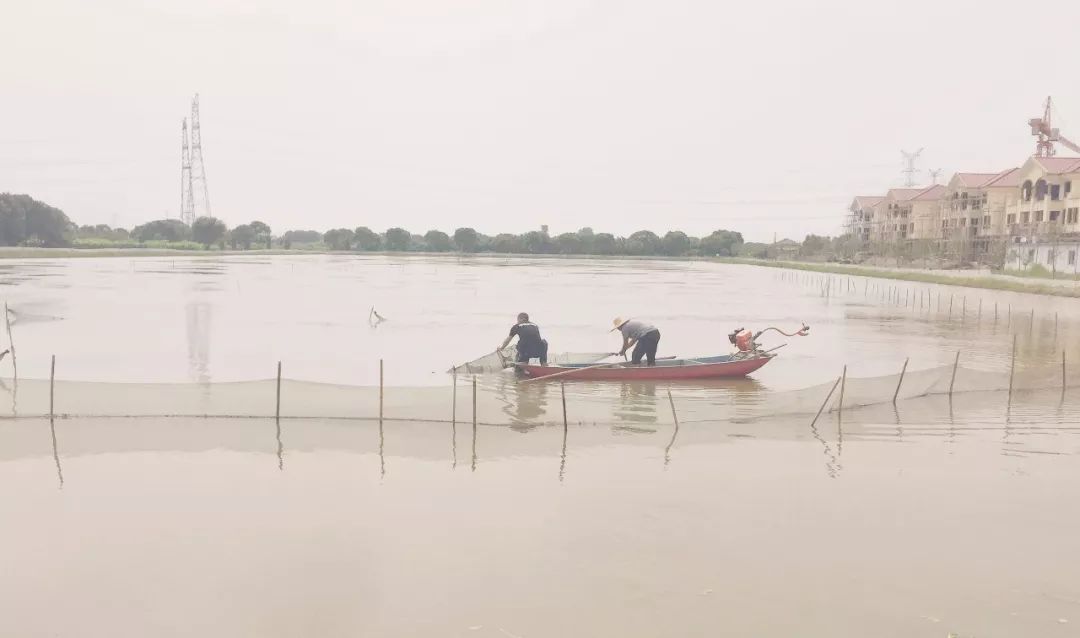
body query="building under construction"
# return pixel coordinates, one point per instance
(1011, 218)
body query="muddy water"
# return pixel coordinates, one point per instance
(234, 318)
(251, 528)
(921, 519)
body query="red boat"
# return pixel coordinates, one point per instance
(737, 365)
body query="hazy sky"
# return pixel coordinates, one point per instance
(506, 114)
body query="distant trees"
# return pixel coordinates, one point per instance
(397, 239)
(367, 239)
(338, 239)
(814, 245)
(26, 222)
(676, 243)
(162, 230)
(438, 241)
(467, 240)
(261, 233)
(207, 231)
(242, 236)
(291, 237)
(721, 243)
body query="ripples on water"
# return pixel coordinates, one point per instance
(932, 516)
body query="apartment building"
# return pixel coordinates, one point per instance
(975, 211)
(1047, 198)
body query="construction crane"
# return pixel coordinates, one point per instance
(1042, 129)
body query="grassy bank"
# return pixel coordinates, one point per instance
(1008, 283)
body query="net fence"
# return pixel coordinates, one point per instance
(501, 398)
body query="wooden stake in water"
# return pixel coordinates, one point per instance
(950, 306)
(52, 387)
(995, 313)
(1031, 325)
(963, 309)
(562, 388)
(380, 390)
(843, 382)
(952, 381)
(901, 381)
(453, 402)
(277, 401)
(826, 402)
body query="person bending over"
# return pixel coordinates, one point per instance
(530, 344)
(642, 336)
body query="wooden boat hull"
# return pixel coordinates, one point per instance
(672, 370)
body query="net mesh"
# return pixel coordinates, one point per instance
(502, 399)
(502, 359)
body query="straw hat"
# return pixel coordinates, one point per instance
(619, 321)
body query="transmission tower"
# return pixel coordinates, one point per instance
(909, 167)
(198, 169)
(187, 205)
(934, 175)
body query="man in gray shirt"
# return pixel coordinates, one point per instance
(643, 336)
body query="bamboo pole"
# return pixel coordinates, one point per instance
(898, 383)
(995, 313)
(453, 402)
(963, 309)
(1031, 324)
(950, 306)
(277, 400)
(474, 423)
(1063, 371)
(843, 383)
(979, 316)
(52, 387)
(952, 381)
(825, 402)
(562, 389)
(674, 415)
(380, 390)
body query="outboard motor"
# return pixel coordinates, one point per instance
(743, 340)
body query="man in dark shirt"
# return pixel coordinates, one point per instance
(529, 342)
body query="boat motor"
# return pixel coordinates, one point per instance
(743, 339)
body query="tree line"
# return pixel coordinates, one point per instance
(538, 242)
(27, 222)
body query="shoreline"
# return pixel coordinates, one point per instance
(963, 278)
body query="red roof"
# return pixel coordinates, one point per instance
(1059, 165)
(1005, 179)
(931, 193)
(975, 180)
(867, 201)
(903, 194)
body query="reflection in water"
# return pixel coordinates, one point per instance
(56, 452)
(198, 341)
(524, 403)
(674, 433)
(637, 402)
(382, 457)
(280, 447)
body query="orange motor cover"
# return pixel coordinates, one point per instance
(744, 341)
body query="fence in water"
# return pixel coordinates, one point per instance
(500, 398)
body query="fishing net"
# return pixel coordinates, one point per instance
(502, 399)
(502, 359)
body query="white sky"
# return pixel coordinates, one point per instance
(506, 114)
